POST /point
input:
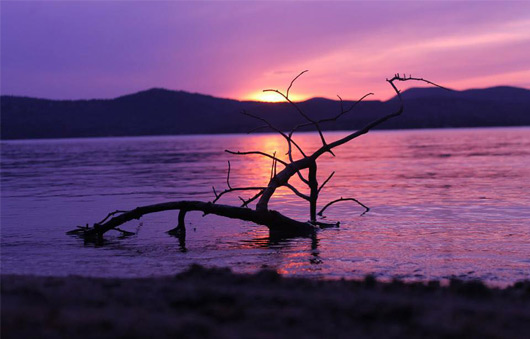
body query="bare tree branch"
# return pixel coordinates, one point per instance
(228, 176)
(276, 222)
(288, 139)
(110, 215)
(377, 122)
(219, 195)
(124, 232)
(248, 201)
(304, 180)
(297, 192)
(231, 189)
(257, 129)
(343, 199)
(306, 162)
(273, 167)
(292, 82)
(326, 181)
(286, 97)
(410, 77)
(342, 112)
(313, 122)
(341, 103)
(214, 192)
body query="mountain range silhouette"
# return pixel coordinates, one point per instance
(165, 112)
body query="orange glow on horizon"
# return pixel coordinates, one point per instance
(272, 97)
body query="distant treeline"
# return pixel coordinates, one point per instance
(165, 112)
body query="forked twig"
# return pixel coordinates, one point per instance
(248, 201)
(229, 190)
(233, 189)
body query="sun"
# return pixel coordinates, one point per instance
(270, 97)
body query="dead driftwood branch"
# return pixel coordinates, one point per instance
(275, 221)
(343, 199)
(261, 214)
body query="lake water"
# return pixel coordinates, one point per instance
(444, 203)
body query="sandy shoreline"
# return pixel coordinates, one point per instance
(217, 303)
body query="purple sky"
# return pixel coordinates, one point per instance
(103, 49)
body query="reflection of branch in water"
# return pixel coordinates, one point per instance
(182, 244)
(270, 241)
(282, 243)
(140, 224)
(179, 232)
(314, 243)
(315, 253)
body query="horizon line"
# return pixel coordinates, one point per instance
(247, 100)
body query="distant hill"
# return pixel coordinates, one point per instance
(164, 112)
(499, 94)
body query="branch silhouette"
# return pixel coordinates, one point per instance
(261, 214)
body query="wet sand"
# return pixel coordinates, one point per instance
(215, 303)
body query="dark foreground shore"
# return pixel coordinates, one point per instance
(215, 303)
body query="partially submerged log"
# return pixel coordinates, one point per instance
(275, 221)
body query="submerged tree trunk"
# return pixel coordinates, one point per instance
(275, 221)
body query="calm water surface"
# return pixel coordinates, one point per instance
(444, 203)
